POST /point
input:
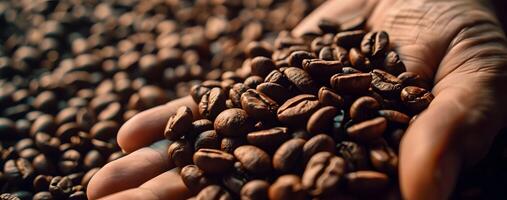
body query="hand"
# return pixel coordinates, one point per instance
(456, 43)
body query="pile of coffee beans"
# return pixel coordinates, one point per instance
(73, 71)
(318, 117)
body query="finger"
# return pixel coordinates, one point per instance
(148, 126)
(130, 171)
(334, 10)
(166, 186)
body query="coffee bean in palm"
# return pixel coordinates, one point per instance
(199, 126)
(213, 161)
(288, 156)
(321, 120)
(255, 190)
(368, 130)
(297, 110)
(233, 122)
(287, 187)
(364, 108)
(393, 64)
(323, 174)
(359, 60)
(416, 98)
(212, 103)
(262, 66)
(275, 91)
(366, 182)
(301, 79)
(395, 117)
(179, 124)
(180, 153)
(258, 106)
(194, 178)
(316, 144)
(413, 79)
(385, 84)
(207, 140)
(382, 157)
(268, 139)
(214, 192)
(356, 83)
(104, 130)
(253, 159)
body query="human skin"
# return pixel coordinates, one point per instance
(457, 44)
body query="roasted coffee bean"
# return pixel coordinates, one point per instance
(262, 66)
(60, 187)
(321, 120)
(268, 139)
(8, 196)
(413, 79)
(415, 98)
(180, 153)
(213, 161)
(381, 44)
(349, 39)
(356, 83)
(288, 156)
(88, 176)
(253, 159)
(394, 116)
(213, 192)
(212, 103)
(230, 144)
(208, 140)
(194, 178)
(316, 144)
(233, 122)
(359, 60)
(255, 48)
(364, 108)
(43, 196)
(355, 155)
(18, 170)
(67, 130)
(255, 190)
(179, 124)
(111, 112)
(69, 162)
(323, 174)
(66, 115)
(287, 187)
(78, 195)
(43, 165)
(383, 158)
(198, 91)
(199, 126)
(322, 70)
(301, 79)
(93, 159)
(236, 178)
(296, 58)
(393, 64)
(297, 110)
(274, 91)
(368, 130)
(253, 81)
(41, 182)
(46, 101)
(43, 123)
(318, 43)
(235, 93)
(366, 182)
(258, 106)
(277, 77)
(326, 53)
(104, 130)
(327, 97)
(385, 84)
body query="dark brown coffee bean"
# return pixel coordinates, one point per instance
(349, 39)
(66, 115)
(262, 66)
(212, 103)
(381, 44)
(395, 116)
(208, 140)
(274, 91)
(364, 108)
(236, 178)
(323, 174)
(393, 64)
(252, 81)
(413, 79)
(383, 158)
(67, 130)
(197, 91)
(326, 53)
(194, 178)
(327, 97)
(357, 83)
(93, 159)
(385, 84)
(213, 161)
(297, 110)
(255, 190)
(233, 123)
(253, 159)
(258, 106)
(230, 144)
(104, 130)
(60, 187)
(43, 123)
(47, 144)
(366, 182)
(45, 101)
(18, 170)
(70, 162)
(415, 98)
(288, 157)
(41, 182)
(277, 77)
(355, 155)
(368, 130)
(180, 153)
(43, 196)
(235, 93)
(301, 80)
(316, 144)
(255, 48)
(199, 126)
(321, 121)
(7, 129)
(179, 123)
(322, 70)
(8, 196)
(85, 118)
(111, 112)
(268, 139)
(43, 165)
(287, 187)
(341, 55)
(213, 192)
(359, 60)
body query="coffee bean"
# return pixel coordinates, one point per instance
(321, 120)
(236, 178)
(385, 84)
(415, 98)
(364, 108)
(8, 196)
(253, 159)
(394, 116)
(366, 182)
(111, 112)
(235, 93)
(207, 139)
(322, 70)
(93, 159)
(258, 106)
(213, 192)
(349, 39)
(297, 110)
(194, 178)
(274, 91)
(383, 158)
(287, 187)
(327, 97)
(179, 123)
(233, 122)
(104, 130)
(288, 156)
(326, 53)
(212, 103)
(323, 174)
(354, 154)
(277, 77)
(413, 79)
(301, 79)
(230, 144)
(43, 165)
(70, 162)
(296, 58)
(43, 196)
(262, 66)
(67, 130)
(199, 126)
(393, 64)
(45, 101)
(316, 144)
(255, 190)
(253, 81)
(213, 161)
(180, 153)
(18, 170)
(368, 130)
(198, 91)
(254, 49)
(268, 139)
(356, 83)
(43, 123)
(60, 187)
(359, 60)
